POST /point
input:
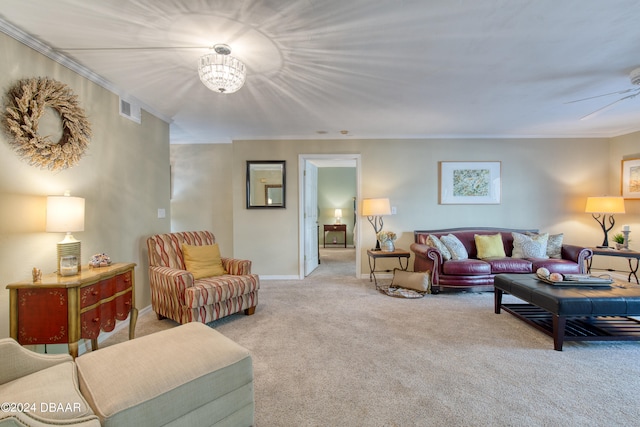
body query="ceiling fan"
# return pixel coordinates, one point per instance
(634, 77)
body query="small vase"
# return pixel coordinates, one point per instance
(387, 246)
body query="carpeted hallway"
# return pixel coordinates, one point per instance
(332, 351)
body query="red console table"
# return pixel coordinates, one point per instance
(59, 309)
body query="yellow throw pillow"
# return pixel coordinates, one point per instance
(203, 261)
(489, 246)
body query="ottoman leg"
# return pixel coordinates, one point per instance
(559, 323)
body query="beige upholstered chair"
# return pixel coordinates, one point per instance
(176, 294)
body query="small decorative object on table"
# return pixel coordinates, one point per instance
(386, 239)
(100, 260)
(37, 274)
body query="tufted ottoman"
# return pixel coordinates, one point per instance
(572, 313)
(188, 375)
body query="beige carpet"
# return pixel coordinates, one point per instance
(332, 351)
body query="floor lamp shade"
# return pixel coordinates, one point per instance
(65, 214)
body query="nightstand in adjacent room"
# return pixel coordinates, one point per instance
(339, 228)
(64, 309)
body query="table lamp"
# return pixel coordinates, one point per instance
(65, 214)
(374, 209)
(338, 215)
(599, 208)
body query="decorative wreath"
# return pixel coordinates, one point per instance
(26, 103)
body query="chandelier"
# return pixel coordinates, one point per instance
(221, 72)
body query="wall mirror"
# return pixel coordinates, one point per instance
(266, 185)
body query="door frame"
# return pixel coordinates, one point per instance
(302, 159)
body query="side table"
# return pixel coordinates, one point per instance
(400, 254)
(631, 256)
(63, 309)
(340, 228)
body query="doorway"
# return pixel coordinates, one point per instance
(310, 227)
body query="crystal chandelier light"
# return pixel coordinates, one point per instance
(221, 72)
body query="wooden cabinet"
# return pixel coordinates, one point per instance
(339, 228)
(61, 309)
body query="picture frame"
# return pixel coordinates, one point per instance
(630, 178)
(470, 183)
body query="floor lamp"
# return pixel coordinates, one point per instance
(374, 209)
(599, 208)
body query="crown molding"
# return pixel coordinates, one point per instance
(35, 44)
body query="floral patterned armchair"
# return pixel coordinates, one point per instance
(177, 295)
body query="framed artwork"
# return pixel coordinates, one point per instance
(469, 183)
(630, 179)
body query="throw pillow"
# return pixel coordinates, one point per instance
(489, 246)
(455, 246)
(554, 244)
(529, 246)
(418, 281)
(203, 261)
(434, 242)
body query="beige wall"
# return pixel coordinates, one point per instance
(202, 191)
(545, 183)
(124, 178)
(622, 147)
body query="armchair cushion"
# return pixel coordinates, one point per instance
(203, 261)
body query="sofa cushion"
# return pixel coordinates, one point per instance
(57, 386)
(489, 246)
(529, 246)
(435, 242)
(554, 244)
(510, 265)
(203, 261)
(466, 267)
(562, 266)
(455, 246)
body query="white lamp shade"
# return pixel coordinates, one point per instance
(65, 214)
(338, 213)
(376, 207)
(605, 205)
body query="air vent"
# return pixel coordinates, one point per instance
(130, 111)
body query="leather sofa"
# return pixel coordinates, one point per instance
(190, 375)
(477, 274)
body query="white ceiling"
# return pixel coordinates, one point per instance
(372, 68)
